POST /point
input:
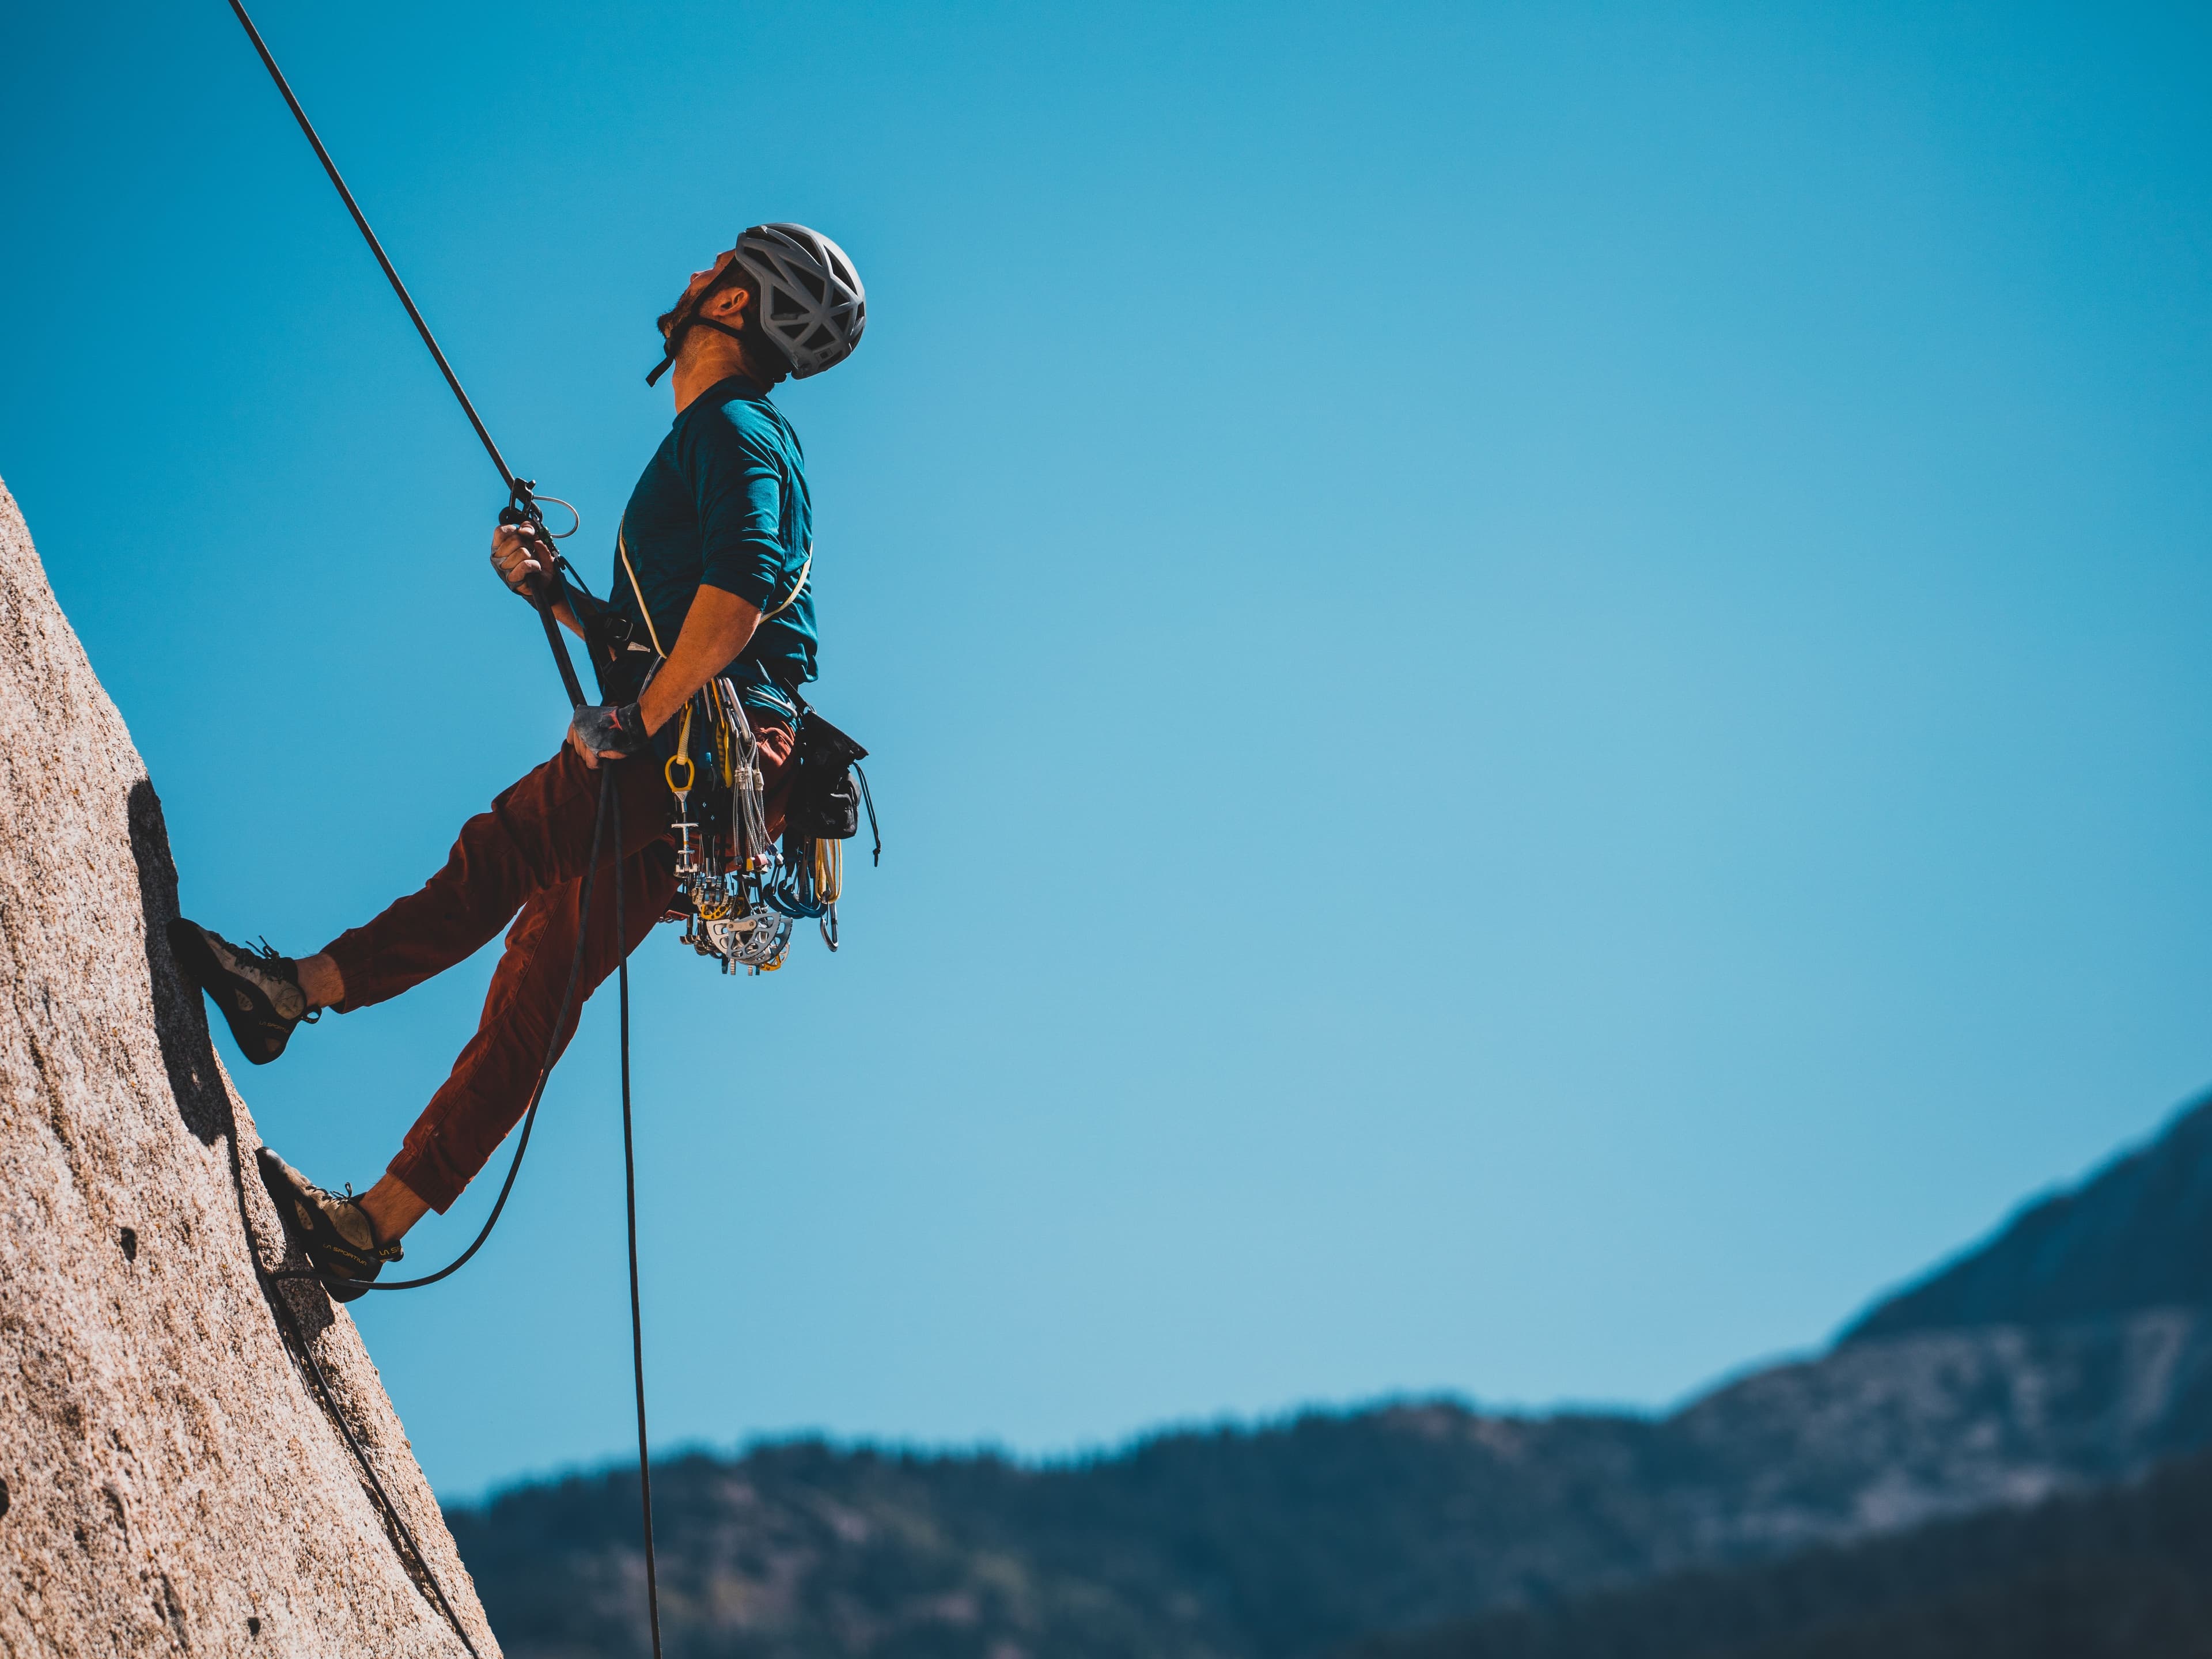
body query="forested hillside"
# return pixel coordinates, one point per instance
(1288, 1540)
(2123, 1574)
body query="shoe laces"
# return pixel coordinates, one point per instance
(269, 954)
(383, 1249)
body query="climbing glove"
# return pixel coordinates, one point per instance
(609, 730)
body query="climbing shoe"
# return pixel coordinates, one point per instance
(331, 1227)
(257, 990)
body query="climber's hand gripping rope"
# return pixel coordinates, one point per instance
(522, 555)
(542, 588)
(608, 732)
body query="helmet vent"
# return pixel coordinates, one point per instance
(811, 298)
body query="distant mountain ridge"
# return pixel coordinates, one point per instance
(2050, 1360)
(2135, 1235)
(2115, 1574)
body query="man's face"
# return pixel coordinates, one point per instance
(700, 280)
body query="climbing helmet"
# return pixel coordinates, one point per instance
(810, 301)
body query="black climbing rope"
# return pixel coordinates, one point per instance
(521, 508)
(629, 1196)
(299, 1345)
(521, 502)
(296, 1341)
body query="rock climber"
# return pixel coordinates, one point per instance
(713, 554)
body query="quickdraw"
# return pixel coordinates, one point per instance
(737, 894)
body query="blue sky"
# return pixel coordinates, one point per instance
(1537, 671)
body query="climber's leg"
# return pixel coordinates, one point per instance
(537, 836)
(491, 1081)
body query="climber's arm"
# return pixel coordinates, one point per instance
(718, 626)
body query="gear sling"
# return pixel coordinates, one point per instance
(738, 893)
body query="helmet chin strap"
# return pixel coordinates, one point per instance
(691, 320)
(676, 342)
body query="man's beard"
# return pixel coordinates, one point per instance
(666, 320)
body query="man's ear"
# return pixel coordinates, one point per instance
(724, 304)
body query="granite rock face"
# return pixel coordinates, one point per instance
(175, 1479)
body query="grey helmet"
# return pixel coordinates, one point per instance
(810, 301)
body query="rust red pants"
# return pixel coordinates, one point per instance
(528, 854)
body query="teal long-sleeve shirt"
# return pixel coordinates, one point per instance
(723, 503)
